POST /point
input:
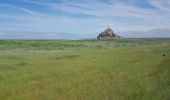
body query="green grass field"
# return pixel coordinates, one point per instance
(84, 70)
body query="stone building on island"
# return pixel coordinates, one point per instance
(108, 34)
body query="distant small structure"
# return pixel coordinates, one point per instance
(108, 34)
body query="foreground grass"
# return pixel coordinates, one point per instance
(84, 70)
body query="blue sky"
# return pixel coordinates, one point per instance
(76, 19)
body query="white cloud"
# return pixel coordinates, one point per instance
(106, 12)
(19, 9)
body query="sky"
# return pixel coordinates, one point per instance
(83, 19)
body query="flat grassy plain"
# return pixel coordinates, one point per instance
(84, 70)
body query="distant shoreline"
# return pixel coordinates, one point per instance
(162, 38)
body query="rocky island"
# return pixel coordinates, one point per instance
(107, 35)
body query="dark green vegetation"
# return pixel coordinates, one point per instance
(84, 70)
